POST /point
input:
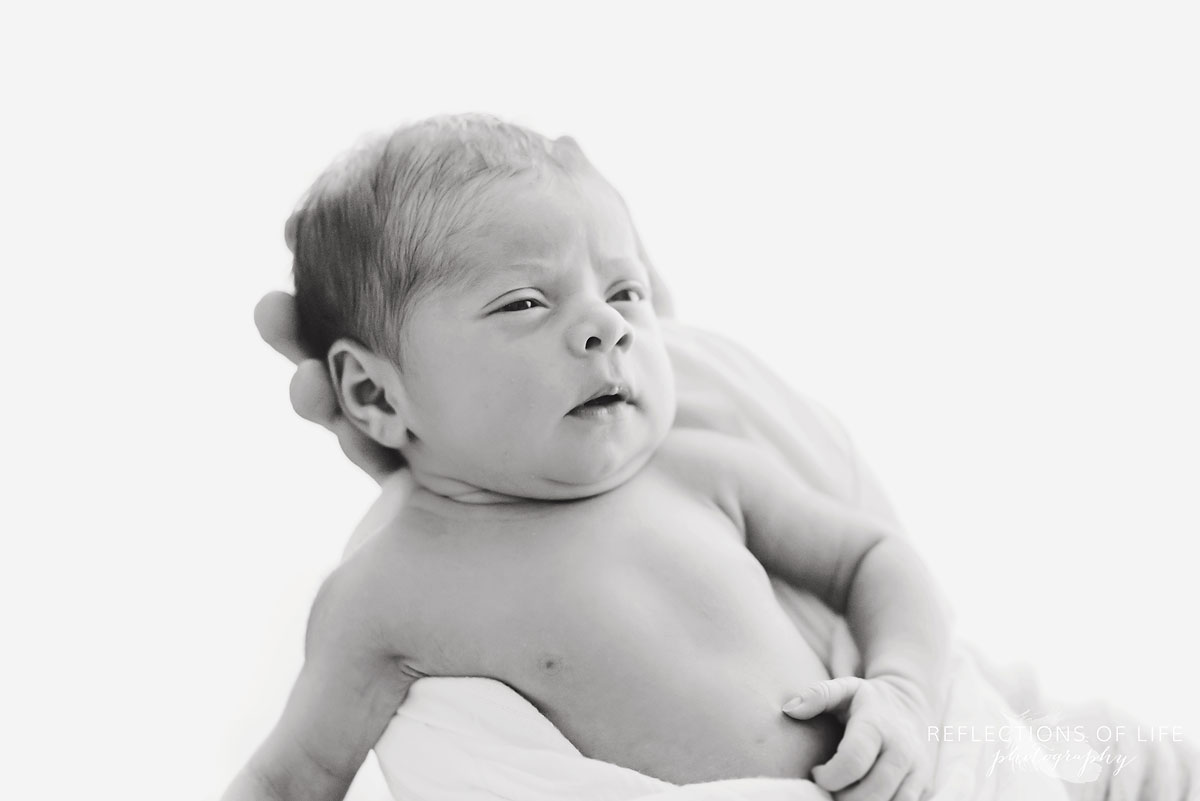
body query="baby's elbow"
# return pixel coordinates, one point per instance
(876, 544)
(255, 783)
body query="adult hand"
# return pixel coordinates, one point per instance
(312, 391)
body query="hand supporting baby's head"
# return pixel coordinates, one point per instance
(486, 309)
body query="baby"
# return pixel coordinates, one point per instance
(485, 305)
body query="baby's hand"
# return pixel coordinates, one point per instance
(884, 753)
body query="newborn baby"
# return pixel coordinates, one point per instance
(485, 306)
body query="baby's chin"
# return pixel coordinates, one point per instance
(571, 469)
(589, 472)
(581, 474)
(587, 478)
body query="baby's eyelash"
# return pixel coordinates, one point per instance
(520, 305)
(637, 294)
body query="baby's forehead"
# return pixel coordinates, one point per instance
(544, 219)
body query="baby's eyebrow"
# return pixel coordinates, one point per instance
(625, 267)
(619, 261)
(534, 270)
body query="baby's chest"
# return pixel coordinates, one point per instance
(640, 569)
(648, 529)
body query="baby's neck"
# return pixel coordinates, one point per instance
(460, 491)
(451, 488)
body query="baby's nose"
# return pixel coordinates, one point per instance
(599, 329)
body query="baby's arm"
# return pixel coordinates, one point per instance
(347, 691)
(862, 570)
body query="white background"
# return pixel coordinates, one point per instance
(972, 234)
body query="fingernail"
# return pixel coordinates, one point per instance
(794, 704)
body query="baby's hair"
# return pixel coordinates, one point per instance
(371, 234)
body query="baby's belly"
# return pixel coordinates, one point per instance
(701, 718)
(684, 693)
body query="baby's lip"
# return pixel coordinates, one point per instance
(609, 393)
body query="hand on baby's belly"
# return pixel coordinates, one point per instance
(683, 694)
(717, 719)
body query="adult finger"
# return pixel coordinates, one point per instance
(312, 394)
(372, 458)
(313, 399)
(275, 318)
(855, 755)
(882, 780)
(833, 695)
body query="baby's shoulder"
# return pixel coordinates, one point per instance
(366, 602)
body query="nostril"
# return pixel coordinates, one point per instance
(624, 341)
(592, 342)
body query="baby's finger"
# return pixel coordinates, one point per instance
(882, 781)
(275, 318)
(312, 394)
(912, 788)
(855, 755)
(833, 695)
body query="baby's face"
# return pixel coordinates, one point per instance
(543, 373)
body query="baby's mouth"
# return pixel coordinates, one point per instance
(607, 401)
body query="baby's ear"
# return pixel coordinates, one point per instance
(370, 392)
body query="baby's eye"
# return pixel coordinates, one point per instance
(524, 304)
(627, 294)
